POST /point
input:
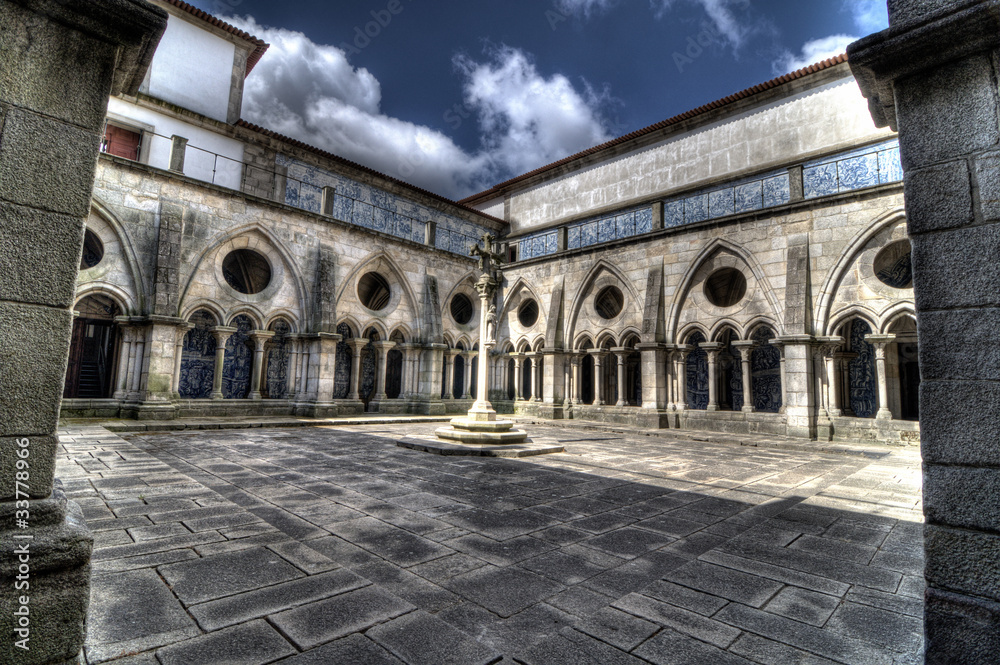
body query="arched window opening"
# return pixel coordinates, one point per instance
(633, 374)
(198, 357)
(696, 374)
(863, 379)
(94, 349)
(394, 368)
(237, 371)
(765, 372)
(369, 365)
(345, 363)
(903, 372)
(277, 359)
(730, 373)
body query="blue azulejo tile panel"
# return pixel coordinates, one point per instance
(820, 180)
(383, 220)
(777, 191)
(673, 214)
(573, 237)
(589, 234)
(889, 166)
(696, 209)
(644, 220)
(343, 208)
(363, 214)
(858, 172)
(404, 226)
(720, 203)
(538, 246)
(442, 240)
(625, 225)
(606, 230)
(551, 243)
(748, 197)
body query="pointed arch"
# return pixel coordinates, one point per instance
(582, 340)
(468, 279)
(721, 326)
(351, 323)
(209, 306)
(751, 327)
(510, 296)
(690, 329)
(102, 210)
(844, 315)
(601, 266)
(294, 273)
(893, 313)
(383, 258)
(711, 249)
(403, 330)
(377, 326)
(828, 293)
(120, 297)
(248, 311)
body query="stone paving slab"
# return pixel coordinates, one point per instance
(333, 545)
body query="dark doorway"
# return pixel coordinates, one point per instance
(93, 350)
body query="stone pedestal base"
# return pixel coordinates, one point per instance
(482, 432)
(53, 566)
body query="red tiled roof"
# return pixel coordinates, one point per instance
(687, 115)
(259, 45)
(336, 158)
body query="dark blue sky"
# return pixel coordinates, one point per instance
(632, 63)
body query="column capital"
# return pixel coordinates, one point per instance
(357, 344)
(222, 333)
(746, 344)
(262, 336)
(880, 340)
(452, 353)
(384, 345)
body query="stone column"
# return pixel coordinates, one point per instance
(406, 389)
(293, 365)
(303, 371)
(61, 61)
(620, 355)
(577, 383)
(321, 375)
(712, 349)
(467, 380)
(680, 376)
(746, 349)
(843, 369)
(357, 346)
(933, 75)
(538, 377)
(532, 367)
(449, 378)
(880, 342)
(552, 382)
(135, 366)
(222, 335)
(568, 363)
(830, 348)
(598, 376)
(123, 380)
(517, 377)
(260, 338)
(797, 384)
(182, 332)
(382, 358)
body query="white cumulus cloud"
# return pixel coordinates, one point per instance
(313, 93)
(869, 15)
(812, 52)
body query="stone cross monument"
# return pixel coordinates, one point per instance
(481, 426)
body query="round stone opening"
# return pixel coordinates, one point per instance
(461, 309)
(894, 266)
(93, 250)
(726, 287)
(527, 313)
(374, 291)
(246, 271)
(609, 302)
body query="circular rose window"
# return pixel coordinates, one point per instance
(374, 291)
(893, 265)
(726, 287)
(246, 271)
(527, 313)
(461, 309)
(609, 302)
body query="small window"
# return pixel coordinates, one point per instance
(374, 291)
(93, 250)
(726, 287)
(894, 267)
(609, 302)
(527, 313)
(461, 309)
(246, 271)
(121, 142)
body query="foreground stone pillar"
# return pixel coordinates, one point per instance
(60, 60)
(933, 75)
(680, 376)
(517, 377)
(382, 359)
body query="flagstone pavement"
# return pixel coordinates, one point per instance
(332, 545)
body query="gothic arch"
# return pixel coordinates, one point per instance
(713, 248)
(120, 297)
(282, 315)
(403, 330)
(137, 300)
(757, 322)
(853, 312)
(828, 293)
(373, 263)
(251, 313)
(725, 324)
(691, 328)
(618, 278)
(209, 306)
(272, 243)
(893, 313)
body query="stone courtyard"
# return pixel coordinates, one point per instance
(332, 545)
